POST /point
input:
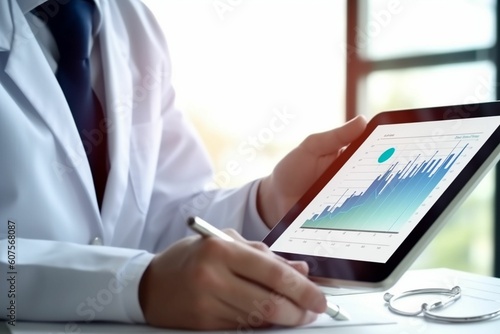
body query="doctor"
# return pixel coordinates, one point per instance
(114, 246)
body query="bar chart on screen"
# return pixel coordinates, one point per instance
(392, 197)
(374, 201)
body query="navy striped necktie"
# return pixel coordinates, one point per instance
(71, 27)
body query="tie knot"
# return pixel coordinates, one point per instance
(70, 24)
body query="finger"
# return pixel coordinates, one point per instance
(248, 303)
(215, 314)
(254, 244)
(258, 307)
(233, 233)
(278, 276)
(245, 278)
(235, 316)
(301, 266)
(332, 141)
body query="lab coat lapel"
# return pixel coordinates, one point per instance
(6, 26)
(25, 65)
(119, 105)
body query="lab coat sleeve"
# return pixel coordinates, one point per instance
(185, 183)
(253, 227)
(100, 284)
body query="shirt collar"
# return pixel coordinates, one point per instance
(28, 5)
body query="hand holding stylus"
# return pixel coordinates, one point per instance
(205, 229)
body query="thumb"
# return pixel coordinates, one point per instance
(333, 140)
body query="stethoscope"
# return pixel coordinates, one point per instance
(426, 309)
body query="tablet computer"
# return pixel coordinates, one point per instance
(375, 208)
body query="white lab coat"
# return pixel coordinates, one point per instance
(158, 175)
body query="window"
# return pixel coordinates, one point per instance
(406, 54)
(256, 76)
(238, 64)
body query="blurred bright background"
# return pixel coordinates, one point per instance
(257, 76)
(237, 64)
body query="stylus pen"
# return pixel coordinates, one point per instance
(206, 229)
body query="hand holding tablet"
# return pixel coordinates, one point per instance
(378, 205)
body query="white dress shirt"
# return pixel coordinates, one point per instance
(159, 172)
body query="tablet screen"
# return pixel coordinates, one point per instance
(372, 203)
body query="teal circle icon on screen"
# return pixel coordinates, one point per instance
(386, 155)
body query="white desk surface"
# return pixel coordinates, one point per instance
(478, 292)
